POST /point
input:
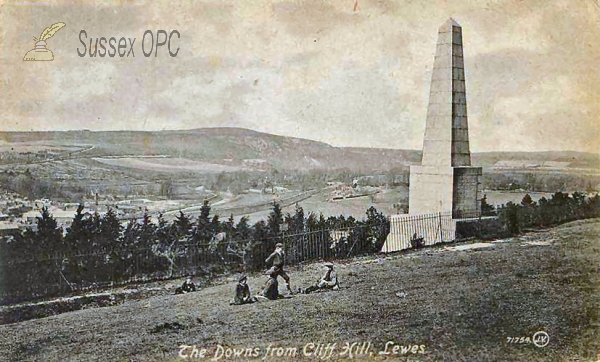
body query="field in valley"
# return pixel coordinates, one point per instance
(160, 164)
(454, 304)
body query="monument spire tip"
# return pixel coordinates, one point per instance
(448, 25)
(452, 21)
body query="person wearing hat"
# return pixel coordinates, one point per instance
(276, 261)
(242, 292)
(328, 281)
(271, 289)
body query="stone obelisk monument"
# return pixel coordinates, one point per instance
(446, 181)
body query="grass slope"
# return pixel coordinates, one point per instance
(280, 151)
(457, 306)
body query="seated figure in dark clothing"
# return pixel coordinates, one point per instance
(242, 292)
(271, 289)
(186, 287)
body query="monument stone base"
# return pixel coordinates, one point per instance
(445, 189)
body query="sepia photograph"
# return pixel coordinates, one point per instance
(300, 180)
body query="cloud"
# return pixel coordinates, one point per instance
(84, 82)
(355, 107)
(549, 113)
(318, 70)
(315, 19)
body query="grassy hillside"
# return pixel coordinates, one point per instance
(222, 145)
(454, 305)
(236, 144)
(575, 159)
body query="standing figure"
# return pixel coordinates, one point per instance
(242, 292)
(276, 261)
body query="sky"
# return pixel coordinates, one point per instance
(344, 72)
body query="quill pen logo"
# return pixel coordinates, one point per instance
(40, 52)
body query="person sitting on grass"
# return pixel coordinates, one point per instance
(416, 242)
(186, 287)
(328, 281)
(242, 292)
(271, 289)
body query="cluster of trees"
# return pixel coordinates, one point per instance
(99, 250)
(33, 186)
(560, 208)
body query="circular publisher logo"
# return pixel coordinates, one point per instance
(541, 339)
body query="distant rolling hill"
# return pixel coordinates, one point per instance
(237, 146)
(572, 158)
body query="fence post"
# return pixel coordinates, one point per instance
(440, 227)
(479, 225)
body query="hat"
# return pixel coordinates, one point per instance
(242, 277)
(328, 264)
(279, 245)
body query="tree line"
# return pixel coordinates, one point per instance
(559, 208)
(99, 250)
